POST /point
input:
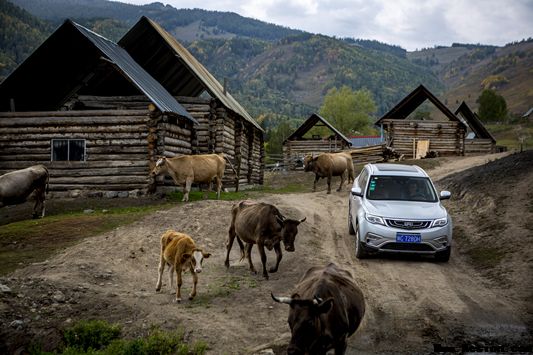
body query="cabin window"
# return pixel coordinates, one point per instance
(68, 149)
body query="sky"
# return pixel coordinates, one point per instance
(410, 24)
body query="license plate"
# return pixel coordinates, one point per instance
(408, 238)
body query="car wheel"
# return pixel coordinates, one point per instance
(360, 252)
(350, 224)
(443, 256)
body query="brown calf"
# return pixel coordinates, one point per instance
(179, 251)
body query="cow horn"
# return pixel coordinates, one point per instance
(317, 300)
(303, 220)
(286, 300)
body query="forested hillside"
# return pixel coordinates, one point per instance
(272, 70)
(20, 34)
(467, 69)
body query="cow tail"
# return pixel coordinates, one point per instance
(47, 183)
(230, 164)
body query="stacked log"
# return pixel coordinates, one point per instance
(479, 146)
(116, 154)
(446, 137)
(370, 154)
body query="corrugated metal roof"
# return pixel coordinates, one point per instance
(310, 123)
(136, 74)
(179, 71)
(74, 60)
(366, 141)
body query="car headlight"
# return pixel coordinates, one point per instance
(440, 222)
(374, 219)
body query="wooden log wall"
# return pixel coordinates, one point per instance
(370, 154)
(219, 131)
(479, 146)
(445, 137)
(116, 147)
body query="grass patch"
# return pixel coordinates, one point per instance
(100, 337)
(31, 241)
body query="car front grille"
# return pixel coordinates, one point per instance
(407, 246)
(403, 224)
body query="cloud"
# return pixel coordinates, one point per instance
(409, 23)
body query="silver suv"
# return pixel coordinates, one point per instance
(395, 208)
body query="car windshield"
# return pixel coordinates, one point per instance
(403, 188)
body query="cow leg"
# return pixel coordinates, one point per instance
(241, 246)
(38, 208)
(188, 184)
(219, 186)
(229, 243)
(194, 282)
(279, 255)
(171, 277)
(249, 247)
(206, 193)
(340, 346)
(342, 182)
(178, 281)
(160, 270)
(261, 248)
(329, 183)
(314, 183)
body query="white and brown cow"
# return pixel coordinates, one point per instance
(17, 186)
(264, 225)
(180, 253)
(186, 169)
(327, 307)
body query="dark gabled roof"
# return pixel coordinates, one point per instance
(174, 66)
(310, 123)
(76, 60)
(412, 101)
(473, 121)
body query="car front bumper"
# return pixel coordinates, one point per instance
(380, 238)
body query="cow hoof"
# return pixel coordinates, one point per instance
(191, 298)
(272, 270)
(158, 289)
(178, 300)
(329, 192)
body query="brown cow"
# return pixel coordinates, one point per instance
(180, 253)
(327, 165)
(264, 225)
(327, 307)
(16, 187)
(186, 169)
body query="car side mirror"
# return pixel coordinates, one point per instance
(356, 191)
(445, 195)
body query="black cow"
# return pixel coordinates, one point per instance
(326, 308)
(264, 225)
(16, 186)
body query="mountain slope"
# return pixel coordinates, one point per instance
(466, 70)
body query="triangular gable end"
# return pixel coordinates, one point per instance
(73, 59)
(474, 122)
(405, 107)
(310, 123)
(159, 53)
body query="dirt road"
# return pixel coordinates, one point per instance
(412, 303)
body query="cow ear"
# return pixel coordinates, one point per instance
(206, 255)
(325, 306)
(280, 220)
(185, 256)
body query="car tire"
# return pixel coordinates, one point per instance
(443, 256)
(360, 250)
(351, 230)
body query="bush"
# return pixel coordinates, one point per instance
(92, 334)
